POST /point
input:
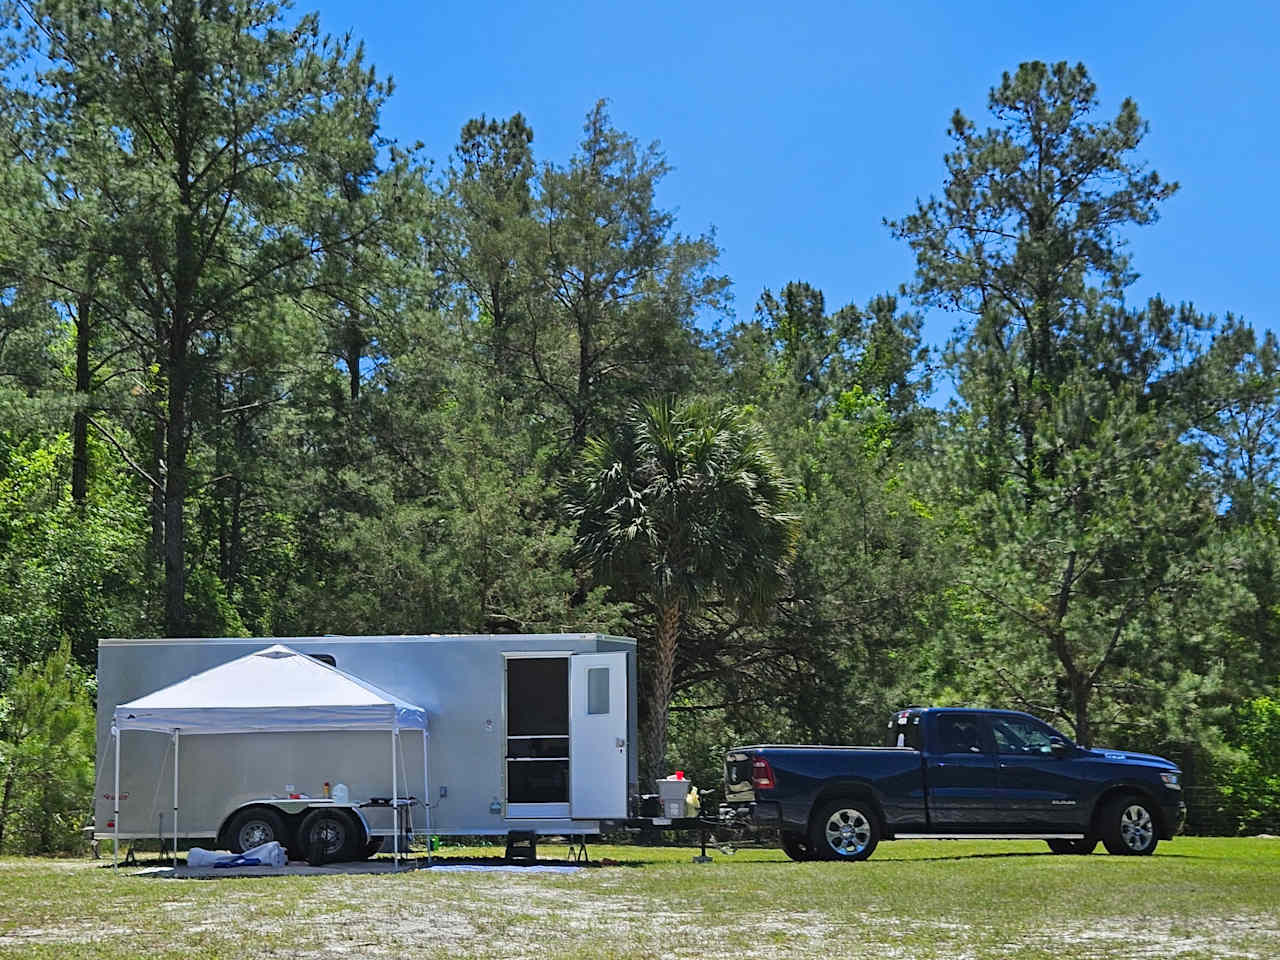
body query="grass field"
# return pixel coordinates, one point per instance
(1194, 898)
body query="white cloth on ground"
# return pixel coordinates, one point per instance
(270, 854)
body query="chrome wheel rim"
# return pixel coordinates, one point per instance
(1136, 828)
(255, 833)
(848, 832)
(329, 835)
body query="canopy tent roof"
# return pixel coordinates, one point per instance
(274, 689)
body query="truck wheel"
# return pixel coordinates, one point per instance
(796, 846)
(1129, 827)
(372, 847)
(327, 836)
(1080, 847)
(255, 826)
(844, 830)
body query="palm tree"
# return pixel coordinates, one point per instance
(684, 502)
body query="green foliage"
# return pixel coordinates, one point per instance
(234, 152)
(67, 573)
(685, 500)
(46, 757)
(1251, 784)
(1026, 228)
(1092, 555)
(682, 506)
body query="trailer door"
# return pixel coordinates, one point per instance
(598, 735)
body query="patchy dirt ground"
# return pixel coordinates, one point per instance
(1205, 899)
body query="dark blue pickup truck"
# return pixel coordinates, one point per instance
(952, 773)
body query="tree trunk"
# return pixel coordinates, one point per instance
(80, 422)
(663, 672)
(354, 351)
(1081, 694)
(175, 496)
(4, 801)
(582, 405)
(186, 271)
(156, 545)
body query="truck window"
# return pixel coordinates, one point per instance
(958, 733)
(904, 731)
(1020, 735)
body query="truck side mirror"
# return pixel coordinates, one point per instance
(1057, 746)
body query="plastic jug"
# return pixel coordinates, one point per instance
(692, 803)
(340, 793)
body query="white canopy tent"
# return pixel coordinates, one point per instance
(273, 690)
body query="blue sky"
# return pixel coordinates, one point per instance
(795, 128)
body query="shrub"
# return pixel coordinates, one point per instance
(1252, 784)
(46, 757)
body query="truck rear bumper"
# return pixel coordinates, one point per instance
(765, 813)
(757, 813)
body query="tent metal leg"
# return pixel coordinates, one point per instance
(115, 805)
(175, 799)
(426, 797)
(395, 810)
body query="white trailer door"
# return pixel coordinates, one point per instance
(598, 735)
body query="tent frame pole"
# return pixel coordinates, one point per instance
(395, 810)
(115, 803)
(426, 796)
(175, 798)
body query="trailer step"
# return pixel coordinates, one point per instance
(522, 845)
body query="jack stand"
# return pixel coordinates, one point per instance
(702, 857)
(578, 851)
(129, 859)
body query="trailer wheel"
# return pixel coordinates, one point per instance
(254, 826)
(327, 836)
(796, 846)
(847, 829)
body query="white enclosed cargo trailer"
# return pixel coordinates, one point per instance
(528, 732)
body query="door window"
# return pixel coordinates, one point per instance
(959, 733)
(904, 731)
(597, 690)
(1022, 736)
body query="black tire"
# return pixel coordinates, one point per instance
(255, 826)
(796, 846)
(1079, 847)
(330, 836)
(847, 829)
(1129, 826)
(372, 847)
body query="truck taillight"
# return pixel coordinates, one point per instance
(762, 774)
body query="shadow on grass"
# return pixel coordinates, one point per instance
(1028, 854)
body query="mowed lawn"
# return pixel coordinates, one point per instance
(1194, 898)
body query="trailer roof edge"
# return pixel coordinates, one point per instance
(369, 638)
